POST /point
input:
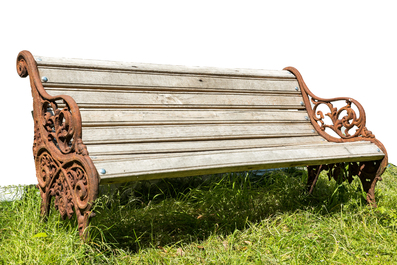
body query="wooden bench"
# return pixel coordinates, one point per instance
(99, 122)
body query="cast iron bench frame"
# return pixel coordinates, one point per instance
(65, 170)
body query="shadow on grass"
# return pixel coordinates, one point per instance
(133, 216)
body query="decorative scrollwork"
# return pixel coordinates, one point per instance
(77, 178)
(348, 124)
(48, 170)
(63, 168)
(58, 125)
(69, 184)
(81, 149)
(63, 196)
(22, 66)
(70, 190)
(343, 119)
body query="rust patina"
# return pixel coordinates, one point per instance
(63, 168)
(348, 126)
(65, 171)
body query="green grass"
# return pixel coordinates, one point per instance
(222, 219)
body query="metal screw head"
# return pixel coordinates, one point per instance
(302, 103)
(307, 118)
(44, 79)
(379, 150)
(102, 171)
(297, 88)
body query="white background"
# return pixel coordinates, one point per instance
(342, 48)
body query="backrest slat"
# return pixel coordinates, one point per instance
(132, 67)
(158, 133)
(173, 81)
(130, 108)
(144, 99)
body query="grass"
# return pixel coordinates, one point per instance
(222, 219)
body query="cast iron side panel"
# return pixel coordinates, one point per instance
(343, 121)
(63, 168)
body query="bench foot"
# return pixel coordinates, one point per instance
(349, 124)
(68, 182)
(368, 172)
(369, 176)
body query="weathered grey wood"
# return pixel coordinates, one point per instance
(128, 80)
(109, 149)
(122, 134)
(144, 121)
(196, 163)
(113, 117)
(48, 62)
(90, 98)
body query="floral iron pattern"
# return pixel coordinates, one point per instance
(65, 171)
(63, 168)
(347, 126)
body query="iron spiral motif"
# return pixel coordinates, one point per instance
(63, 168)
(59, 125)
(349, 126)
(343, 120)
(67, 183)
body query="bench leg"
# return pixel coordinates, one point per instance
(369, 176)
(68, 182)
(368, 172)
(63, 167)
(312, 173)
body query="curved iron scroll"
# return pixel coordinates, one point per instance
(63, 168)
(349, 126)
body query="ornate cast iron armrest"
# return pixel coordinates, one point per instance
(349, 126)
(63, 168)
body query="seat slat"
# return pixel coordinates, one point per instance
(107, 151)
(137, 168)
(121, 134)
(132, 79)
(103, 116)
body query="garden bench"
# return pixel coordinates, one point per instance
(100, 122)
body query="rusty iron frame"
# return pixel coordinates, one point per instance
(343, 121)
(63, 168)
(65, 171)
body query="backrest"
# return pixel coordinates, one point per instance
(146, 109)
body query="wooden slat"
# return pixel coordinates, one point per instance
(135, 168)
(103, 116)
(132, 80)
(86, 98)
(106, 151)
(120, 134)
(48, 62)
(144, 121)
